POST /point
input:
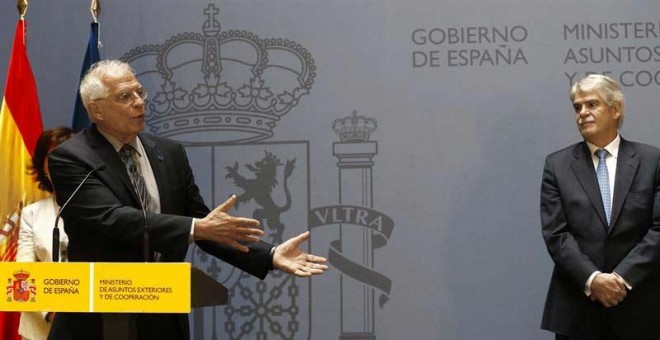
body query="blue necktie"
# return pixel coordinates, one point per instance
(604, 183)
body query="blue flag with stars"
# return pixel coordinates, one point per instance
(92, 55)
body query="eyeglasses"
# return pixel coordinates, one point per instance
(129, 97)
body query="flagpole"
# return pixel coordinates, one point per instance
(80, 118)
(22, 6)
(95, 8)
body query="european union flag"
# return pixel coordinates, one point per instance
(92, 55)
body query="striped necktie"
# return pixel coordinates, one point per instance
(139, 185)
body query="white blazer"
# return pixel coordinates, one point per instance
(35, 243)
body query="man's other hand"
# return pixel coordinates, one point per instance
(219, 226)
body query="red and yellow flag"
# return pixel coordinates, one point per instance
(20, 127)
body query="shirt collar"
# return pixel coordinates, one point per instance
(117, 144)
(612, 148)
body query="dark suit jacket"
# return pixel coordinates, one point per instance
(580, 242)
(104, 223)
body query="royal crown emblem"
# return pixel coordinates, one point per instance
(21, 275)
(232, 82)
(20, 290)
(354, 128)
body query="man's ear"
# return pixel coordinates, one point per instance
(94, 111)
(616, 110)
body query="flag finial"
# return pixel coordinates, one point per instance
(95, 8)
(22, 6)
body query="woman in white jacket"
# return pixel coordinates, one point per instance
(35, 236)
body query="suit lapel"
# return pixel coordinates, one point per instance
(626, 168)
(583, 168)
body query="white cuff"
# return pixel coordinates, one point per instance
(587, 286)
(191, 239)
(624, 281)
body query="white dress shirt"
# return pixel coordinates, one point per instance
(35, 244)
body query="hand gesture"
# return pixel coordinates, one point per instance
(290, 259)
(608, 289)
(218, 226)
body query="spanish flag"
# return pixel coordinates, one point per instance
(20, 127)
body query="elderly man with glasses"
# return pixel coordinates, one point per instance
(147, 178)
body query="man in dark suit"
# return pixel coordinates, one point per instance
(600, 214)
(105, 220)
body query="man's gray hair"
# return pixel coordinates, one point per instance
(607, 88)
(92, 86)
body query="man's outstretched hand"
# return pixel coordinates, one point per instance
(290, 259)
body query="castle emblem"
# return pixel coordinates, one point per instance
(21, 290)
